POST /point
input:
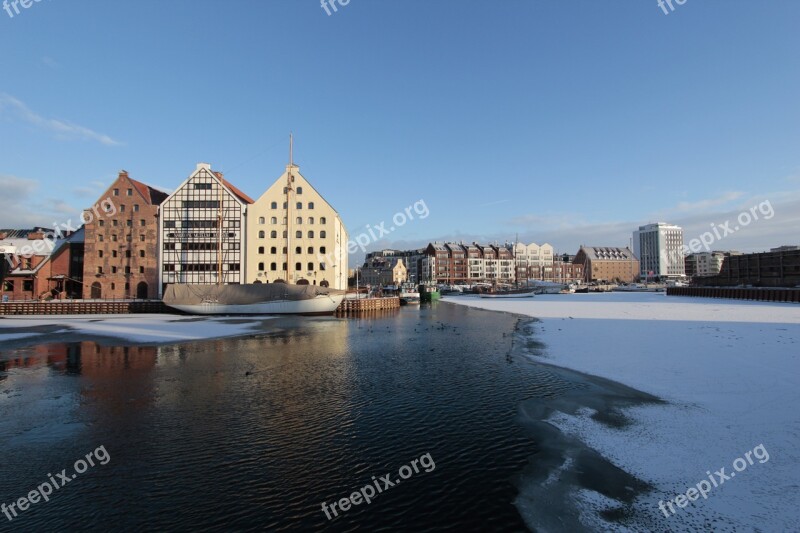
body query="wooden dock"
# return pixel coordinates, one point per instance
(361, 305)
(108, 307)
(735, 293)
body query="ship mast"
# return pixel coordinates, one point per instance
(289, 208)
(219, 232)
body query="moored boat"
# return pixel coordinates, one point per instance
(253, 299)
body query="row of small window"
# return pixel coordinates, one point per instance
(114, 270)
(129, 192)
(114, 253)
(297, 190)
(297, 234)
(200, 204)
(200, 224)
(198, 246)
(297, 266)
(298, 205)
(201, 267)
(298, 250)
(297, 221)
(128, 238)
(115, 223)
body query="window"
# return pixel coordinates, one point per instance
(122, 208)
(298, 267)
(141, 253)
(310, 234)
(141, 270)
(298, 234)
(311, 249)
(273, 205)
(135, 208)
(323, 220)
(298, 250)
(322, 266)
(299, 190)
(113, 286)
(273, 266)
(285, 190)
(141, 237)
(261, 267)
(114, 238)
(143, 222)
(284, 250)
(261, 250)
(113, 253)
(101, 223)
(273, 234)
(311, 205)
(99, 270)
(127, 271)
(127, 253)
(284, 221)
(262, 234)
(169, 268)
(285, 234)
(129, 223)
(100, 238)
(322, 234)
(116, 192)
(130, 192)
(169, 223)
(113, 270)
(128, 237)
(8, 286)
(273, 220)
(284, 205)
(273, 250)
(127, 286)
(284, 266)
(310, 267)
(322, 250)
(299, 221)
(310, 220)
(100, 253)
(262, 220)
(115, 222)
(203, 186)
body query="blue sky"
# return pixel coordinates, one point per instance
(569, 122)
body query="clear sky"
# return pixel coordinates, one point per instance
(569, 121)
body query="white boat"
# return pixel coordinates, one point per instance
(253, 299)
(511, 293)
(547, 287)
(636, 287)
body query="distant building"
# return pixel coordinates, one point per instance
(791, 248)
(121, 243)
(39, 264)
(194, 246)
(607, 264)
(314, 252)
(704, 264)
(768, 269)
(659, 248)
(383, 271)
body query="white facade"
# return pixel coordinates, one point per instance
(659, 248)
(193, 246)
(706, 263)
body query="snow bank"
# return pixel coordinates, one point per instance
(730, 371)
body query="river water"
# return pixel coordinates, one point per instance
(257, 432)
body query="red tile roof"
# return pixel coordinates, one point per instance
(239, 194)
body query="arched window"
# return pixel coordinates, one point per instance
(298, 267)
(273, 220)
(323, 220)
(261, 220)
(299, 190)
(322, 234)
(262, 234)
(311, 249)
(300, 205)
(311, 205)
(310, 220)
(310, 267)
(273, 234)
(299, 221)
(261, 267)
(273, 266)
(298, 234)
(273, 205)
(322, 250)
(261, 250)
(310, 234)
(298, 250)
(273, 250)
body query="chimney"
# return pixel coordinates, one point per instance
(35, 236)
(201, 166)
(123, 174)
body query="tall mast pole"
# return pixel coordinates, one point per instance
(289, 208)
(219, 233)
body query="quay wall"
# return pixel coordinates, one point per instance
(735, 293)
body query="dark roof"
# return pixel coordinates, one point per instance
(151, 194)
(23, 233)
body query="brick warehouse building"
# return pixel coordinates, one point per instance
(121, 241)
(604, 263)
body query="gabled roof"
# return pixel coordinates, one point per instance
(234, 190)
(153, 195)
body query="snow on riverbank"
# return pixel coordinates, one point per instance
(154, 329)
(730, 371)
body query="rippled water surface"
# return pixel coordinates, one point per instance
(257, 432)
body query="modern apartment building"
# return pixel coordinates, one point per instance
(202, 228)
(295, 236)
(659, 248)
(705, 264)
(121, 241)
(607, 264)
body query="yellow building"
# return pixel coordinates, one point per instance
(295, 236)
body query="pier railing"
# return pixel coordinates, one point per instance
(83, 307)
(736, 293)
(358, 305)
